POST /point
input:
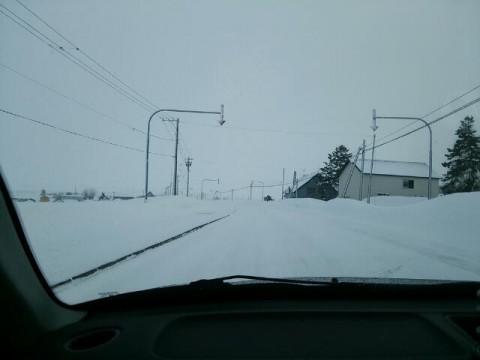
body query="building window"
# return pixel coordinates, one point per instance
(408, 184)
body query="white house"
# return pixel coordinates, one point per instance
(397, 178)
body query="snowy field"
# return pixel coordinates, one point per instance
(438, 239)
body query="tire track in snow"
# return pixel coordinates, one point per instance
(427, 251)
(133, 254)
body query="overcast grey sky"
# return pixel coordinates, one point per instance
(297, 79)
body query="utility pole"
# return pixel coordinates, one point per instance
(188, 162)
(283, 183)
(344, 193)
(176, 157)
(294, 182)
(371, 170)
(360, 190)
(374, 128)
(232, 194)
(251, 184)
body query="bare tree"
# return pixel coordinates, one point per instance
(89, 194)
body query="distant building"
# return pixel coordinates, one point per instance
(311, 188)
(395, 178)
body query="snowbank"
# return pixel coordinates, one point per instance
(71, 237)
(437, 239)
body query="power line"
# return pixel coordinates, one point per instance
(61, 50)
(181, 139)
(87, 68)
(144, 105)
(304, 177)
(81, 104)
(84, 66)
(430, 123)
(85, 54)
(184, 144)
(294, 132)
(79, 134)
(430, 113)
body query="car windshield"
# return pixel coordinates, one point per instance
(158, 143)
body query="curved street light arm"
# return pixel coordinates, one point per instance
(259, 182)
(178, 111)
(201, 190)
(430, 150)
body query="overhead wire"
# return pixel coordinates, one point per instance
(154, 106)
(61, 50)
(430, 123)
(85, 54)
(302, 178)
(180, 140)
(71, 132)
(294, 132)
(82, 104)
(430, 113)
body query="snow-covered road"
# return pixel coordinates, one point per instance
(436, 239)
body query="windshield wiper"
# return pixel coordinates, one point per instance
(223, 281)
(343, 283)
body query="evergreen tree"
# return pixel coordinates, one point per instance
(337, 160)
(463, 160)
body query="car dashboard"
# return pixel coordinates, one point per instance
(293, 329)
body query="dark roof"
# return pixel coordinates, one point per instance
(305, 182)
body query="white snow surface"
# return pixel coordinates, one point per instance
(437, 239)
(395, 200)
(396, 168)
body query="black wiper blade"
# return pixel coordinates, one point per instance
(223, 281)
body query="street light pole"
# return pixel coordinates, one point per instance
(201, 191)
(251, 185)
(430, 144)
(371, 171)
(374, 128)
(221, 122)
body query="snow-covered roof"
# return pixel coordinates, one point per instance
(396, 168)
(304, 179)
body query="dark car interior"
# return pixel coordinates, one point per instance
(224, 321)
